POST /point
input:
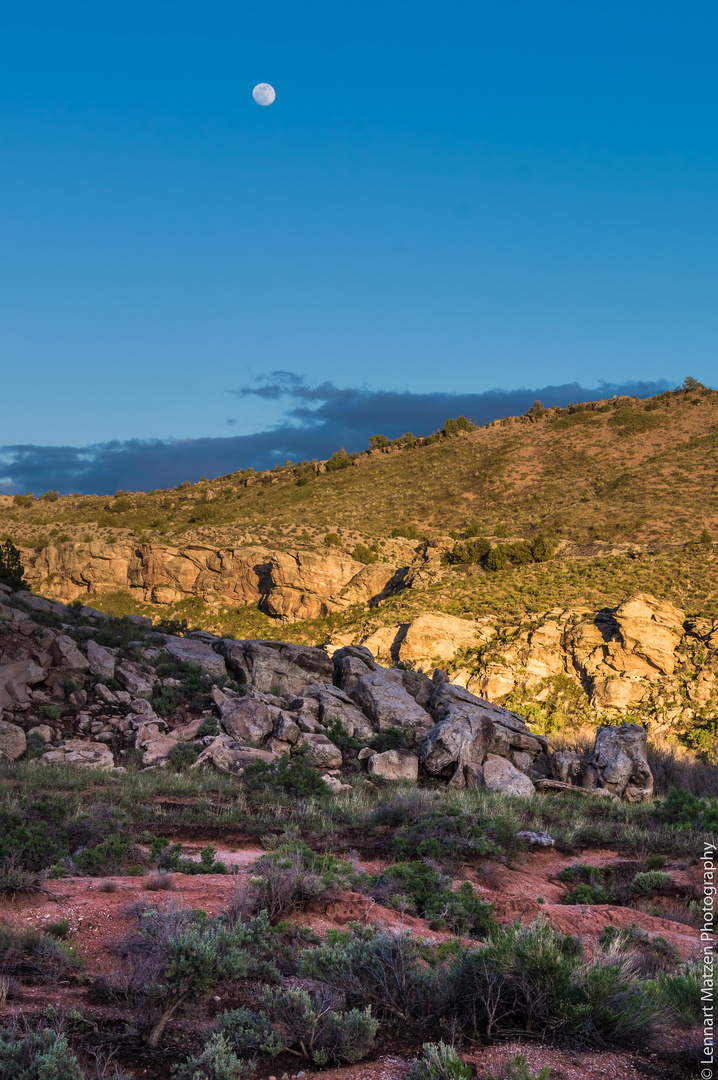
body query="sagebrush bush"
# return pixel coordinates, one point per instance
(649, 882)
(293, 876)
(41, 1054)
(518, 1069)
(428, 893)
(439, 1061)
(216, 1061)
(682, 992)
(313, 1023)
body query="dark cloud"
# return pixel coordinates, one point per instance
(317, 420)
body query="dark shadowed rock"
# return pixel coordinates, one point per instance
(271, 666)
(619, 755)
(381, 696)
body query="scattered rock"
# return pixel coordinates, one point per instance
(394, 765)
(88, 755)
(12, 741)
(501, 775)
(319, 752)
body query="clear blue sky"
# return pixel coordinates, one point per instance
(445, 196)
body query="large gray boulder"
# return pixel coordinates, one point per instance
(619, 756)
(228, 756)
(66, 654)
(501, 775)
(81, 753)
(381, 696)
(101, 660)
(12, 741)
(319, 751)
(467, 729)
(275, 667)
(335, 704)
(247, 718)
(394, 765)
(350, 665)
(197, 652)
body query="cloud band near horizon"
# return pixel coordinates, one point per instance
(316, 421)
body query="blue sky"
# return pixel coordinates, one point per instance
(446, 197)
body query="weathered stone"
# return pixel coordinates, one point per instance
(271, 666)
(83, 754)
(387, 705)
(44, 731)
(335, 785)
(335, 704)
(473, 775)
(319, 752)
(364, 753)
(435, 637)
(12, 741)
(651, 629)
(349, 669)
(196, 652)
(394, 765)
(135, 682)
(501, 775)
(246, 719)
(521, 760)
(286, 730)
(619, 755)
(101, 660)
(66, 654)
(279, 747)
(228, 756)
(464, 736)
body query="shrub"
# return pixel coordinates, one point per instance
(105, 858)
(49, 712)
(450, 428)
(177, 956)
(688, 811)
(379, 969)
(293, 876)
(391, 739)
(170, 858)
(587, 894)
(364, 554)
(11, 568)
(653, 956)
(217, 1061)
(209, 726)
(36, 956)
(182, 756)
(471, 551)
(42, 1054)
(652, 881)
(15, 879)
(429, 895)
(339, 460)
(656, 862)
(34, 834)
(518, 1069)
(682, 992)
(249, 1033)
(439, 1062)
(310, 1023)
(378, 442)
(162, 882)
(165, 699)
(706, 538)
(332, 539)
(286, 776)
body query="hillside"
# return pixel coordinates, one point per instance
(620, 495)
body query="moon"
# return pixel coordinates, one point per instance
(264, 94)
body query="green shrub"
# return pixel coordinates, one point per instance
(217, 1061)
(688, 811)
(652, 881)
(363, 554)
(209, 726)
(451, 835)
(105, 858)
(339, 460)
(656, 862)
(471, 551)
(15, 879)
(429, 895)
(286, 776)
(439, 1062)
(42, 1054)
(310, 1023)
(653, 956)
(587, 894)
(170, 858)
(450, 428)
(248, 1033)
(34, 834)
(518, 1069)
(293, 876)
(391, 739)
(49, 712)
(36, 956)
(165, 699)
(332, 539)
(378, 442)
(682, 992)
(182, 756)
(36, 746)
(11, 568)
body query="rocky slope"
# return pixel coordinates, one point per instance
(84, 702)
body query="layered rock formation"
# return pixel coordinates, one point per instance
(288, 585)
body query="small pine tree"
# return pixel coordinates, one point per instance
(11, 568)
(706, 538)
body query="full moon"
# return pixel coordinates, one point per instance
(264, 94)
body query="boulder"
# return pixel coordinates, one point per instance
(196, 652)
(383, 699)
(619, 756)
(134, 680)
(335, 704)
(228, 756)
(350, 664)
(101, 660)
(271, 666)
(44, 731)
(86, 755)
(319, 751)
(12, 741)
(434, 636)
(66, 654)
(501, 775)
(286, 730)
(394, 765)
(246, 719)
(651, 629)
(335, 785)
